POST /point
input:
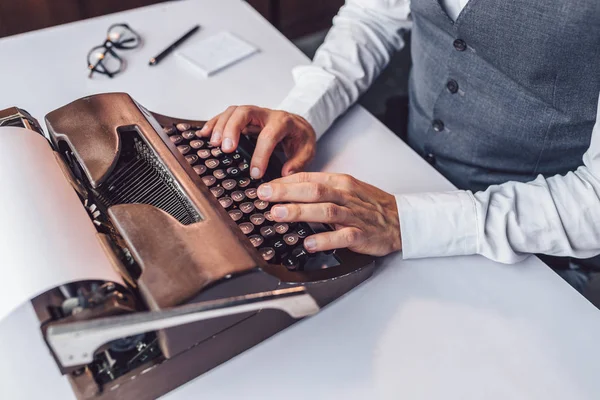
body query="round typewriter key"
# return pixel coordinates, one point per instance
(246, 227)
(169, 130)
(279, 246)
(267, 253)
(226, 201)
(182, 127)
(216, 152)
(212, 163)
(269, 216)
(209, 180)
(243, 182)
(217, 191)
(291, 263)
(196, 144)
(236, 156)
(256, 240)
(251, 193)
(189, 135)
(192, 158)
(267, 231)
(200, 169)
(302, 233)
(236, 215)
(261, 204)
(244, 166)
(176, 139)
(257, 219)
(228, 184)
(281, 228)
(233, 171)
(227, 161)
(238, 196)
(184, 148)
(247, 208)
(291, 239)
(219, 173)
(204, 153)
(300, 254)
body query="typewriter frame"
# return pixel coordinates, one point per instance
(189, 350)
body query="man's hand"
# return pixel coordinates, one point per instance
(296, 134)
(365, 218)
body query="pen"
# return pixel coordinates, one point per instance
(168, 50)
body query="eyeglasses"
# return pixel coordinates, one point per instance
(104, 59)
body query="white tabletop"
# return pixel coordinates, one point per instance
(452, 328)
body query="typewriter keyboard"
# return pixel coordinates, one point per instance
(228, 178)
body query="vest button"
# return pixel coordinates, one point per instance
(437, 125)
(430, 158)
(460, 45)
(452, 86)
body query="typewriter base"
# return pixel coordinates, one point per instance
(156, 379)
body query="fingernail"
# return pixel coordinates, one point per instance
(265, 191)
(310, 243)
(227, 144)
(279, 212)
(216, 136)
(291, 172)
(255, 172)
(204, 128)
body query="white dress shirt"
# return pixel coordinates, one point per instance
(556, 216)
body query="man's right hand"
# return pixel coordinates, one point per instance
(272, 126)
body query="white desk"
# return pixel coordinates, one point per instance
(455, 328)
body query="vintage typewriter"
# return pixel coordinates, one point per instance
(207, 273)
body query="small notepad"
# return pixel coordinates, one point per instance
(216, 52)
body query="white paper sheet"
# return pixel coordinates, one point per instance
(46, 236)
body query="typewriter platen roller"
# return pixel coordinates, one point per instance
(200, 288)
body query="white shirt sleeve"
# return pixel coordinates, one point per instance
(357, 48)
(556, 216)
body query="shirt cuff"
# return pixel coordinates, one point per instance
(438, 224)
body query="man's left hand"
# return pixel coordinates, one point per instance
(365, 218)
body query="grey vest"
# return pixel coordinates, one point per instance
(508, 91)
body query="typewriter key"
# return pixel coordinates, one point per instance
(183, 127)
(219, 173)
(176, 139)
(291, 263)
(217, 191)
(227, 161)
(226, 201)
(203, 154)
(261, 204)
(267, 253)
(228, 184)
(236, 215)
(189, 135)
(200, 169)
(267, 231)
(233, 171)
(269, 216)
(216, 152)
(196, 144)
(236, 156)
(302, 233)
(212, 163)
(256, 240)
(169, 130)
(247, 208)
(184, 148)
(251, 193)
(209, 180)
(300, 254)
(257, 219)
(291, 239)
(192, 158)
(246, 227)
(238, 196)
(244, 166)
(281, 228)
(243, 182)
(279, 246)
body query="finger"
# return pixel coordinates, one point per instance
(217, 134)
(207, 129)
(299, 160)
(326, 213)
(305, 192)
(271, 134)
(316, 177)
(345, 237)
(240, 118)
